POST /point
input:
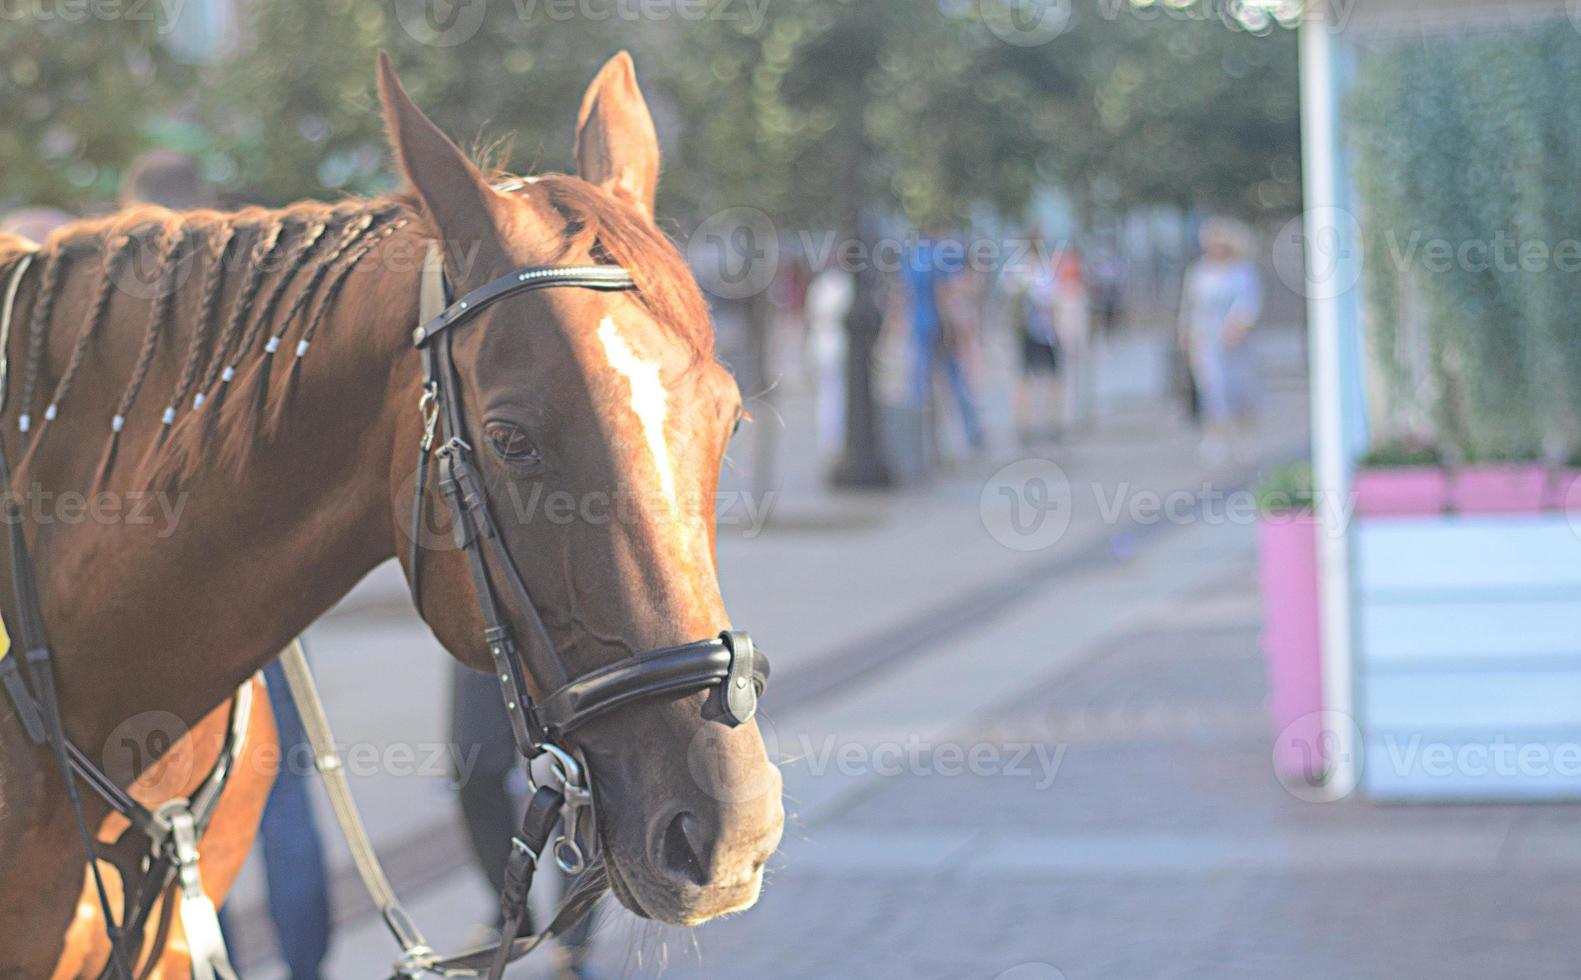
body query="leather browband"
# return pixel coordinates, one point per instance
(611, 277)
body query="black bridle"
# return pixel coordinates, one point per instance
(728, 662)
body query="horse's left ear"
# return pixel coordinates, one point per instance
(617, 147)
(453, 192)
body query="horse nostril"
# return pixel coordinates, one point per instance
(681, 848)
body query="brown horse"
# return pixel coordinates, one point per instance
(286, 484)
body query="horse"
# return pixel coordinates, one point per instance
(252, 373)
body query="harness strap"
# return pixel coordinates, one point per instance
(199, 920)
(543, 811)
(315, 723)
(163, 864)
(7, 311)
(417, 958)
(432, 298)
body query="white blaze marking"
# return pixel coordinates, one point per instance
(649, 401)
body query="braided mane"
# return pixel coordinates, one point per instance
(246, 266)
(220, 281)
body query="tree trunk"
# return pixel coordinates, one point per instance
(760, 329)
(861, 463)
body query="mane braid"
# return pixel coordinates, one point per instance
(262, 251)
(259, 379)
(208, 302)
(114, 251)
(159, 313)
(370, 234)
(290, 264)
(38, 325)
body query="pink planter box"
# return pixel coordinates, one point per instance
(1398, 490)
(1515, 488)
(1287, 545)
(1519, 488)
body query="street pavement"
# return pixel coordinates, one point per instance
(1013, 748)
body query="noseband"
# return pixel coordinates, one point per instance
(728, 662)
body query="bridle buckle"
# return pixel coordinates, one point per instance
(578, 841)
(428, 407)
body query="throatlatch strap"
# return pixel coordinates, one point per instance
(432, 297)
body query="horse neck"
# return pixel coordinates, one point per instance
(178, 588)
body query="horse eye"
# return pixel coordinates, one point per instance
(510, 443)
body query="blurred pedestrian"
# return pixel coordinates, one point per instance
(1037, 399)
(169, 178)
(490, 793)
(1108, 286)
(829, 298)
(293, 855)
(1221, 301)
(931, 266)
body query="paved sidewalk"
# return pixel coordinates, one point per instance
(1162, 847)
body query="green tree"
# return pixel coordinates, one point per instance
(79, 98)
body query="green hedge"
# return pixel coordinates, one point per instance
(1468, 172)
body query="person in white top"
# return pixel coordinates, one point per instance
(1220, 303)
(829, 297)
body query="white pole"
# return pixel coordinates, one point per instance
(1324, 225)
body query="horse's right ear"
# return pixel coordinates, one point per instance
(455, 195)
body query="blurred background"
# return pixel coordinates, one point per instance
(1160, 501)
